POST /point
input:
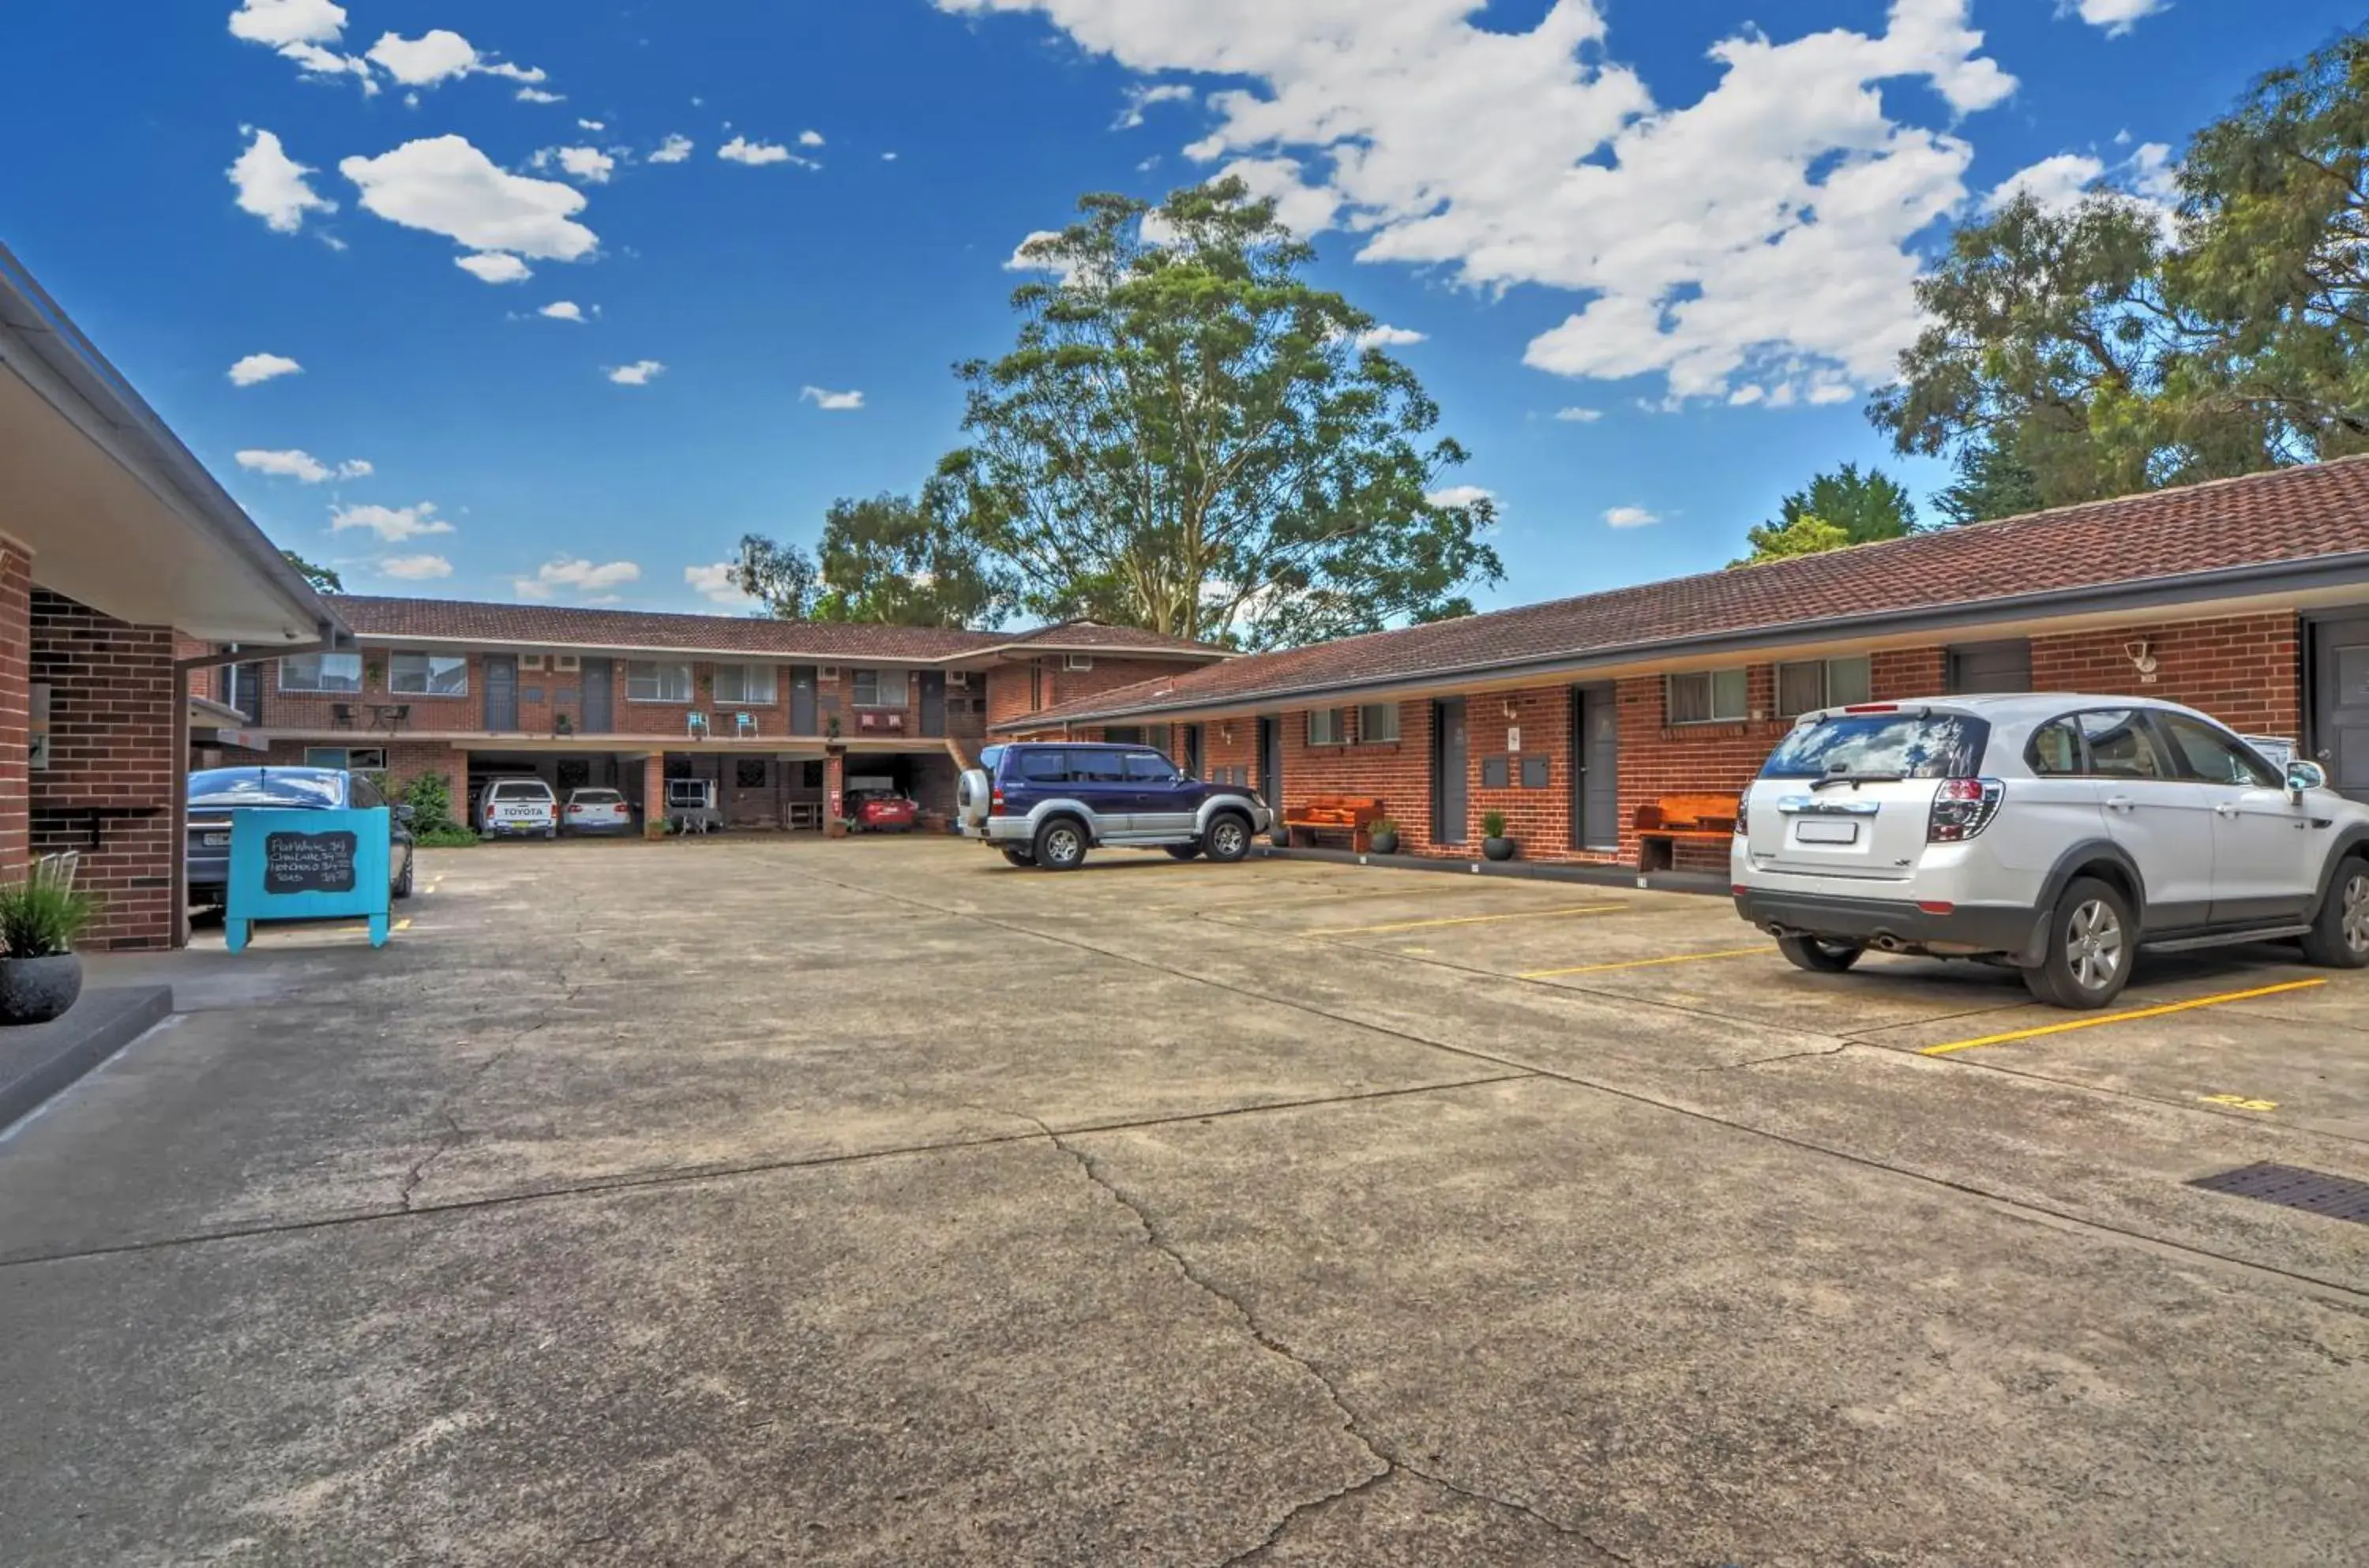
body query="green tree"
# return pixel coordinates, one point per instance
(1993, 482)
(894, 561)
(1187, 437)
(1804, 534)
(1866, 506)
(780, 576)
(323, 579)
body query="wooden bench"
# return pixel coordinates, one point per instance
(1349, 814)
(1663, 825)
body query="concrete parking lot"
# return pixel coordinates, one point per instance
(755, 1200)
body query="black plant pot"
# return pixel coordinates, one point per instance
(1497, 849)
(34, 990)
(1385, 843)
(1279, 836)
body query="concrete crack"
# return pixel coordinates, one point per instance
(1835, 1049)
(1386, 1462)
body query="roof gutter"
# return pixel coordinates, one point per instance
(2348, 570)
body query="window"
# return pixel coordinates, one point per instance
(2209, 756)
(428, 675)
(1077, 661)
(810, 776)
(325, 756)
(2055, 750)
(530, 661)
(752, 683)
(1035, 685)
(1378, 723)
(1149, 767)
(2122, 747)
(253, 787)
(646, 681)
(359, 759)
(1098, 767)
(880, 689)
(1706, 696)
(1324, 727)
(1045, 767)
(749, 772)
(958, 680)
(1808, 685)
(321, 672)
(1901, 744)
(565, 662)
(364, 796)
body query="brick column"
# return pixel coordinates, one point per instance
(654, 795)
(834, 793)
(16, 677)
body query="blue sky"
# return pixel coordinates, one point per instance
(1711, 296)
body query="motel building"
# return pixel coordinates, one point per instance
(2245, 597)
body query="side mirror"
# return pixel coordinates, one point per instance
(405, 813)
(2304, 775)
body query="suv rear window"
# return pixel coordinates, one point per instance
(523, 789)
(1045, 767)
(1912, 745)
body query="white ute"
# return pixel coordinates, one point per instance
(2053, 834)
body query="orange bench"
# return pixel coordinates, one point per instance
(1353, 815)
(1663, 825)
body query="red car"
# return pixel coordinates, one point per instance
(886, 814)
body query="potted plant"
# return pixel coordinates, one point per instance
(41, 975)
(1493, 842)
(1384, 837)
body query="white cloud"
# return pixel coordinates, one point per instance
(675, 149)
(1630, 517)
(1140, 98)
(589, 164)
(2056, 184)
(595, 126)
(277, 22)
(444, 185)
(562, 310)
(834, 402)
(2117, 16)
(809, 138)
(495, 267)
(887, 157)
(302, 467)
(1389, 337)
(536, 95)
(1460, 495)
(715, 583)
(2153, 176)
(438, 56)
(577, 576)
(740, 150)
(641, 372)
(262, 367)
(1579, 416)
(1832, 392)
(416, 569)
(271, 185)
(393, 524)
(1770, 227)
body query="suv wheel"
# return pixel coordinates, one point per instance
(1020, 857)
(1817, 954)
(2091, 942)
(2339, 938)
(1061, 844)
(1228, 840)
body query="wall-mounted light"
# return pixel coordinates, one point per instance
(2143, 659)
(1510, 708)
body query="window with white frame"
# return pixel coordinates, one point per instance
(530, 661)
(1077, 661)
(1807, 685)
(428, 675)
(321, 672)
(648, 681)
(360, 759)
(565, 662)
(1707, 696)
(1324, 728)
(1377, 723)
(880, 687)
(748, 683)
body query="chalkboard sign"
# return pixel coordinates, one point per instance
(308, 863)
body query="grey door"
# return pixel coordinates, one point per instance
(1450, 763)
(933, 701)
(501, 690)
(802, 700)
(1188, 742)
(243, 688)
(2340, 703)
(1595, 768)
(1270, 742)
(600, 698)
(1978, 668)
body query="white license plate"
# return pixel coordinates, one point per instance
(214, 841)
(1811, 830)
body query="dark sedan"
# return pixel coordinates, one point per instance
(216, 793)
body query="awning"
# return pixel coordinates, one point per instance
(117, 512)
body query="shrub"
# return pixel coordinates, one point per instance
(430, 799)
(1493, 824)
(450, 836)
(1384, 825)
(40, 920)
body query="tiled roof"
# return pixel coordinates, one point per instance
(2288, 516)
(571, 626)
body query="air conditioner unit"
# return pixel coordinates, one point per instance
(827, 672)
(957, 680)
(566, 661)
(530, 661)
(1077, 661)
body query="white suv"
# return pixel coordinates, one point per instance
(2053, 834)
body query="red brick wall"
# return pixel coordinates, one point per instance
(16, 677)
(112, 695)
(405, 761)
(2246, 671)
(1008, 685)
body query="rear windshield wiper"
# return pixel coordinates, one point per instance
(1823, 779)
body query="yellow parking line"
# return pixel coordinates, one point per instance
(2135, 1013)
(1643, 963)
(403, 924)
(1465, 920)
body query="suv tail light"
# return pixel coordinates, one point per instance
(995, 801)
(1743, 816)
(1962, 808)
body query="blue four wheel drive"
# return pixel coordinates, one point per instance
(1046, 804)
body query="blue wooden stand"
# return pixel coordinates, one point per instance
(307, 865)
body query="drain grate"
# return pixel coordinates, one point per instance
(2292, 1187)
